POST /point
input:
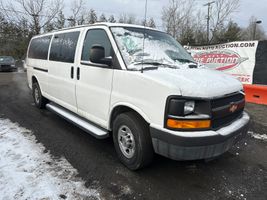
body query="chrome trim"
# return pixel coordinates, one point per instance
(82, 123)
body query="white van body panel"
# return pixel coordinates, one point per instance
(143, 92)
(61, 87)
(42, 79)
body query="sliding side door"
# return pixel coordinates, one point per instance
(61, 72)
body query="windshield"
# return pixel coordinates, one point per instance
(6, 59)
(160, 49)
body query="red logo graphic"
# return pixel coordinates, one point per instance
(220, 60)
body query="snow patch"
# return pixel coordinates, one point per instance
(258, 136)
(26, 172)
(204, 83)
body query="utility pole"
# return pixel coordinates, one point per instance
(208, 19)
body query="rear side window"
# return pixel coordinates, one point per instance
(39, 48)
(96, 37)
(64, 46)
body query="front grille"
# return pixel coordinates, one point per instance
(224, 121)
(226, 100)
(5, 66)
(221, 114)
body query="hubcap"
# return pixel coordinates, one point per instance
(36, 95)
(126, 141)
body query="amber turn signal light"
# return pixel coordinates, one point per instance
(188, 124)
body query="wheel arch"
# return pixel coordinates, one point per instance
(34, 80)
(122, 108)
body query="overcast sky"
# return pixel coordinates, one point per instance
(136, 7)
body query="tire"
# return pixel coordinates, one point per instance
(130, 132)
(39, 100)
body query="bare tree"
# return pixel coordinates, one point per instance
(77, 9)
(221, 13)
(176, 15)
(39, 12)
(184, 22)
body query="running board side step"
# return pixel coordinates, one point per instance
(88, 127)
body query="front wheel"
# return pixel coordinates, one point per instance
(39, 100)
(132, 140)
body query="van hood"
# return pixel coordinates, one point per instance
(199, 82)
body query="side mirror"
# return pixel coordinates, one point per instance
(97, 55)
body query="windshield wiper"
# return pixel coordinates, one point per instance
(155, 63)
(144, 69)
(184, 60)
(149, 68)
(148, 63)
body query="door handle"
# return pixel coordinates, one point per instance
(78, 73)
(72, 72)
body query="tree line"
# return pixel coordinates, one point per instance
(187, 23)
(22, 19)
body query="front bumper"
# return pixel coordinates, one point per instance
(198, 144)
(4, 68)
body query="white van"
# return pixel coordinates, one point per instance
(139, 86)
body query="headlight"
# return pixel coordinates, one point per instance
(187, 114)
(181, 107)
(189, 107)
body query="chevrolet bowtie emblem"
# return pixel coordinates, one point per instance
(233, 107)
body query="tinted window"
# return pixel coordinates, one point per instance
(96, 37)
(39, 47)
(64, 46)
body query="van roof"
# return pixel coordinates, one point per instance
(99, 24)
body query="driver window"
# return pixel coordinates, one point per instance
(96, 37)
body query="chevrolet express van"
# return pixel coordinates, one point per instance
(140, 86)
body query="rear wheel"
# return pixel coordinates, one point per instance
(39, 100)
(132, 140)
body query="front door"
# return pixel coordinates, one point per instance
(93, 89)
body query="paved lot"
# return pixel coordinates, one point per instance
(240, 173)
